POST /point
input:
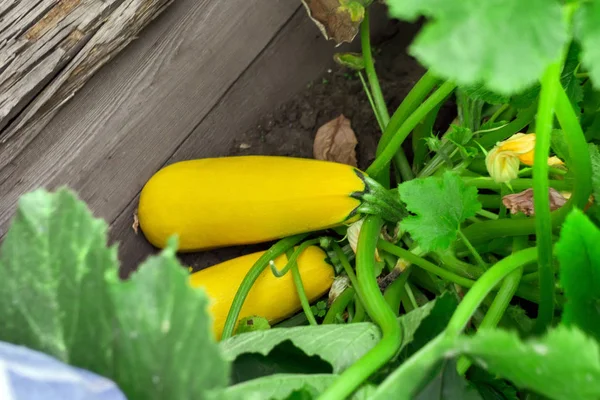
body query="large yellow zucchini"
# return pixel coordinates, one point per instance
(270, 297)
(218, 202)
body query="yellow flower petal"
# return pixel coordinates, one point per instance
(519, 143)
(503, 166)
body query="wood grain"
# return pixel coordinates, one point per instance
(133, 114)
(49, 49)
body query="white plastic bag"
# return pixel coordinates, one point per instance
(30, 375)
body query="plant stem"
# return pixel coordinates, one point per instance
(523, 119)
(498, 112)
(517, 184)
(347, 268)
(472, 250)
(365, 41)
(487, 214)
(411, 102)
(371, 102)
(580, 164)
(395, 143)
(541, 201)
(379, 312)
(485, 285)
(501, 301)
(292, 258)
(339, 305)
(259, 266)
(426, 265)
(393, 293)
(359, 316)
(300, 289)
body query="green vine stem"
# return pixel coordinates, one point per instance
(371, 101)
(541, 201)
(259, 266)
(365, 41)
(379, 312)
(381, 112)
(395, 142)
(517, 184)
(523, 119)
(501, 301)
(292, 258)
(359, 315)
(411, 102)
(393, 293)
(300, 286)
(581, 164)
(485, 285)
(339, 305)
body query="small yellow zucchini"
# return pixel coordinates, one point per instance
(270, 297)
(217, 202)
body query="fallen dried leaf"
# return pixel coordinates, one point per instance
(337, 20)
(523, 201)
(336, 141)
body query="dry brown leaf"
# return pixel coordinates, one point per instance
(336, 19)
(523, 201)
(336, 141)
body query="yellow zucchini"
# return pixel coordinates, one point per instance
(270, 297)
(218, 202)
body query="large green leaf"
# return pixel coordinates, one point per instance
(61, 294)
(579, 257)
(492, 42)
(165, 345)
(52, 296)
(562, 365)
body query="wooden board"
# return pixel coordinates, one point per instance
(49, 49)
(135, 112)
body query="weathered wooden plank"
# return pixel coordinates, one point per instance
(294, 58)
(136, 111)
(49, 49)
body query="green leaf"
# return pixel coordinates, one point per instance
(587, 32)
(448, 384)
(562, 365)
(595, 157)
(52, 296)
(440, 205)
(491, 42)
(61, 294)
(428, 325)
(164, 333)
(341, 345)
(579, 257)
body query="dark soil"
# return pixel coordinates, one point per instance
(290, 129)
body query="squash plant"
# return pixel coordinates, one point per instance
(467, 268)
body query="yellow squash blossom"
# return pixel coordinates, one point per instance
(504, 159)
